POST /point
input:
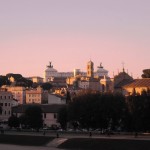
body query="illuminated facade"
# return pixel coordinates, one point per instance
(6, 102)
(137, 86)
(50, 73)
(18, 92)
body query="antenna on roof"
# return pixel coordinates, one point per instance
(123, 66)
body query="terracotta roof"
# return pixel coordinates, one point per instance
(139, 83)
(54, 108)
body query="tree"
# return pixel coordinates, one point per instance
(139, 108)
(4, 81)
(95, 110)
(34, 117)
(146, 73)
(24, 82)
(23, 121)
(13, 121)
(46, 86)
(16, 76)
(62, 117)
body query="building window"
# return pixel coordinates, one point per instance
(5, 97)
(1, 97)
(55, 116)
(5, 104)
(45, 115)
(1, 104)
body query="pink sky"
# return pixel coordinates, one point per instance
(70, 33)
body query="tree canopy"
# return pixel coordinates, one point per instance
(4, 81)
(95, 110)
(146, 73)
(34, 117)
(46, 86)
(15, 76)
(139, 109)
(13, 121)
(108, 111)
(19, 80)
(62, 117)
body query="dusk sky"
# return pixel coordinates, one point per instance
(71, 32)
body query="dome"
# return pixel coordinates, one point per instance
(101, 71)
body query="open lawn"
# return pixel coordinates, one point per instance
(29, 140)
(105, 144)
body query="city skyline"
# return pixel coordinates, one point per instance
(70, 33)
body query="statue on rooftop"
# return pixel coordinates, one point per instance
(50, 65)
(100, 66)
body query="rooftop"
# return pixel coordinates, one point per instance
(145, 82)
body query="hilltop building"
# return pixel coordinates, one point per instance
(56, 99)
(34, 96)
(121, 80)
(137, 86)
(98, 81)
(50, 73)
(36, 79)
(7, 102)
(18, 92)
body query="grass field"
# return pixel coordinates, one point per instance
(25, 140)
(78, 143)
(105, 144)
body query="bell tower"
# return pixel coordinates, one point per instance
(90, 69)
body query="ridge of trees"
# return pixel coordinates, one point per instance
(32, 118)
(19, 80)
(107, 111)
(146, 73)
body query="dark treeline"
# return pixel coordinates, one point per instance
(107, 111)
(19, 80)
(32, 118)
